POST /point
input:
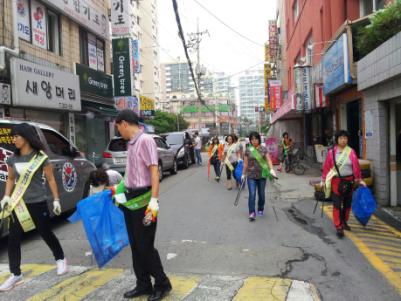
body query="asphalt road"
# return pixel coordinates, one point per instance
(200, 232)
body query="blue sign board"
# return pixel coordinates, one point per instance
(136, 67)
(336, 70)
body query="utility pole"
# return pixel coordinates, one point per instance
(194, 43)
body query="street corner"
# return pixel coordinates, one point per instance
(84, 283)
(380, 243)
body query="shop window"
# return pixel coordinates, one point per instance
(57, 144)
(91, 50)
(369, 6)
(53, 29)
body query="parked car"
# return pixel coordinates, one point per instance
(182, 143)
(71, 168)
(116, 155)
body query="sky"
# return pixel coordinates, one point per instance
(223, 50)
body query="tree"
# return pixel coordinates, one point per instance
(167, 122)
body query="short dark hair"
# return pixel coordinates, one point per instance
(285, 134)
(98, 177)
(196, 133)
(128, 116)
(342, 133)
(215, 138)
(29, 133)
(255, 135)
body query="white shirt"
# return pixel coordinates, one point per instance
(198, 143)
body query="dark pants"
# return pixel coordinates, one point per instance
(341, 204)
(145, 258)
(40, 216)
(229, 172)
(216, 165)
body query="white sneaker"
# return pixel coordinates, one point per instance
(62, 266)
(11, 282)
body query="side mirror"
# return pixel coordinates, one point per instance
(74, 152)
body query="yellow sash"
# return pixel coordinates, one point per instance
(17, 203)
(229, 152)
(214, 150)
(333, 172)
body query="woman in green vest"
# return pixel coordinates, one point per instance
(258, 167)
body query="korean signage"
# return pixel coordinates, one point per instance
(267, 77)
(136, 66)
(94, 82)
(39, 23)
(121, 20)
(273, 39)
(23, 23)
(336, 68)
(92, 51)
(147, 106)
(321, 101)
(306, 87)
(122, 67)
(275, 94)
(127, 102)
(299, 105)
(38, 86)
(100, 59)
(5, 94)
(85, 13)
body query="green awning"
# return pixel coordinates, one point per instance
(210, 108)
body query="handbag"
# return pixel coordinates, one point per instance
(345, 186)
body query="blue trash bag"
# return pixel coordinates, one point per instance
(104, 226)
(238, 171)
(363, 205)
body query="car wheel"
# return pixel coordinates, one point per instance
(186, 161)
(160, 167)
(173, 170)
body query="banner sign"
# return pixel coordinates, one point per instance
(121, 19)
(336, 69)
(127, 102)
(136, 66)
(272, 149)
(5, 94)
(23, 20)
(321, 101)
(94, 82)
(273, 41)
(85, 13)
(306, 88)
(275, 94)
(122, 67)
(39, 23)
(147, 106)
(299, 105)
(92, 51)
(34, 85)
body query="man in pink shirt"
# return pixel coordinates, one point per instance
(141, 191)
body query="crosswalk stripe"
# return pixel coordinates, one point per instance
(376, 241)
(262, 288)
(396, 249)
(77, 287)
(383, 238)
(29, 271)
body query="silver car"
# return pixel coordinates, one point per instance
(115, 155)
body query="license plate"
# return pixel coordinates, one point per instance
(120, 160)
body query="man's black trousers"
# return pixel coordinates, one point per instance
(145, 258)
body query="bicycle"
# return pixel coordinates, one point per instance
(292, 162)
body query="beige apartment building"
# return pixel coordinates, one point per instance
(55, 59)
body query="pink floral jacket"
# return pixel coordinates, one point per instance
(329, 164)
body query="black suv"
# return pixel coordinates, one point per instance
(182, 143)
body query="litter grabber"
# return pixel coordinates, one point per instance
(239, 192)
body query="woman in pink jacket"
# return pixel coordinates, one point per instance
(338, 180)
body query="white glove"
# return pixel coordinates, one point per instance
(57, 207)
(240, 160)
(153, 205)
(5, 202)
(362, 183)
(273, 173)
(321, 184)
(243, 178)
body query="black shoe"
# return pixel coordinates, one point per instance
(340, 233)
(137, 292)
(346, 227)
(159, 294)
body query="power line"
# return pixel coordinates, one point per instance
(228, 26)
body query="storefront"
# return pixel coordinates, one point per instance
(379, 78)
(94, 126)
(42, 94)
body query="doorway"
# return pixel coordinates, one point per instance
(354, 125)
(395, 152)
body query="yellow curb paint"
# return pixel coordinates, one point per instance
(382, 237)
(395, 249)
(182, 287)
(381, 242)
(263, 288)
(30, 271)
(374, 259)
(391, 260)
(77, 287)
